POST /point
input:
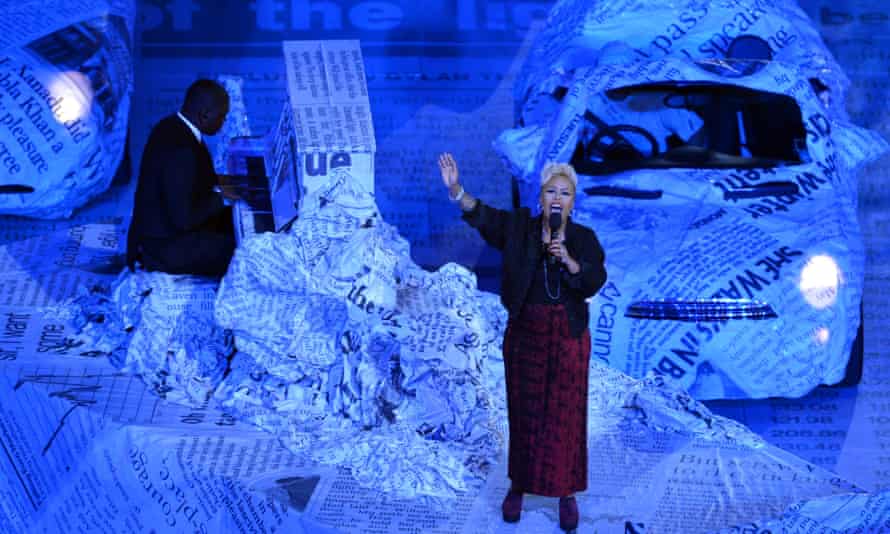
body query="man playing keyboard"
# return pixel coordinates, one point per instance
(181, 223)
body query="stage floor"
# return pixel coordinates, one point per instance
(66, 410)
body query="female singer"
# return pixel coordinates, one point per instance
(551, 265)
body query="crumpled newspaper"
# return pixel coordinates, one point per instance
(156, 325)
(339, 333)
(64, 106)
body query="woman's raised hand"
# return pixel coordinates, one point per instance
(448, 168)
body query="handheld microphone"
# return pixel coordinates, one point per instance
(554, 222)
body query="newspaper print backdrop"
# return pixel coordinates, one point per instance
(66, 75)
(841, 430)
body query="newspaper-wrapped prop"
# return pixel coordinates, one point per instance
(66, 75)
(327, 115)
(718, 167)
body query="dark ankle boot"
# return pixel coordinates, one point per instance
(568, 513)
(512, 506)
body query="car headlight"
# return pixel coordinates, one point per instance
(819, 281)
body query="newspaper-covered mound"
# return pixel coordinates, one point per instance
(158, 326)
(64, 105)
(713, 139)
(355, 356)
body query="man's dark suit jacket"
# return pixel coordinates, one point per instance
(518, 235)
(179, 225)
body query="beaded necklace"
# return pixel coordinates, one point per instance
(547, 283)
(547, 278)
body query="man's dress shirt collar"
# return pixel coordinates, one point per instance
(191, 126)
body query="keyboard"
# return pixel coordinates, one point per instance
(247, 178)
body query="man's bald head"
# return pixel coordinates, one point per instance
(206, 105)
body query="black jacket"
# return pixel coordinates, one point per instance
(518, 236)
(175, 194)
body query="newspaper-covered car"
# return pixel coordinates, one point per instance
(718, 167)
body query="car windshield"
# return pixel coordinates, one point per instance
(701, 125)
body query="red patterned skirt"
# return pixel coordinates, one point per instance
(546, 376)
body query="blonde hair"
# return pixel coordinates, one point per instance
(552, 169)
